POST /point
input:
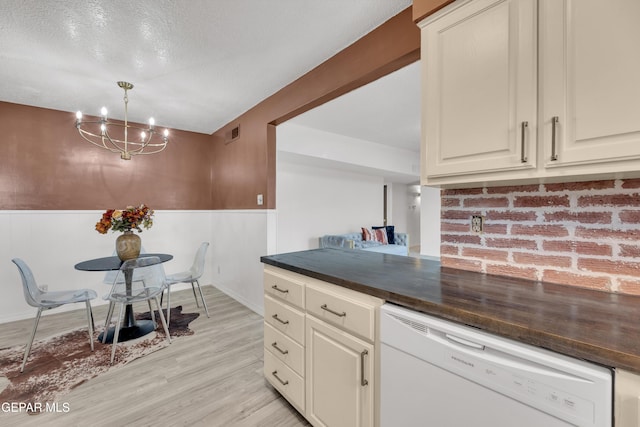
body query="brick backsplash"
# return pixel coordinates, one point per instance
(582, 233)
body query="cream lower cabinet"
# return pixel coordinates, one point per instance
(284, 334)
(341, 335)
(320, 348)
(340, 377)
(627, 399)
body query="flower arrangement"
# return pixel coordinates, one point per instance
(126, 219)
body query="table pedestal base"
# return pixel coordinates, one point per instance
(140, 329)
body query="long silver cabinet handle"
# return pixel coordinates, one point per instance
(275, 345)
(523, 130)
(554, 124)
(363, 381)
(284, 291)
(284, 322)
(324, 307)
(275, 374)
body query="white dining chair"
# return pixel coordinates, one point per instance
(46, 300)
(190, 276)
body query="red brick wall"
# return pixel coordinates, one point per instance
(583, 234)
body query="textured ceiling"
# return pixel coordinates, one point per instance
(195, 64)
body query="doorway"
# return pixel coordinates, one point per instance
(384, 205)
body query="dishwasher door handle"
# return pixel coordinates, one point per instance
(464, 342)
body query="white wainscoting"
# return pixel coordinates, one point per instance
(52, 242)
(239, 239)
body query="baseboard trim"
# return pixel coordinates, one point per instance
(240, 299)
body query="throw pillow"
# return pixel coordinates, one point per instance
(380, 235)
(367, 234)
(390, 230)
(391, 237)
(375, 234)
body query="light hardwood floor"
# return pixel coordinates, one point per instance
(212, 378)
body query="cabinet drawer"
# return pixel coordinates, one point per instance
(285, 380)
(285, 286)
(284, 349)
(343, 308)
(284, 318)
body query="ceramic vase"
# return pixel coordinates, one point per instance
(128, 245)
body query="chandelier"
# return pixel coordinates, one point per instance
(99, 133)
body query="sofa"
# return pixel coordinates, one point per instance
(354, 241)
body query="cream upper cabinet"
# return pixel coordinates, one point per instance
(569, 68)
(480, 88)
(589, 81)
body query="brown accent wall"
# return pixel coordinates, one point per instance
(424, 8)
(246, 168)
(45, 164)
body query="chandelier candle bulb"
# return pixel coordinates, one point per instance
(103, 112)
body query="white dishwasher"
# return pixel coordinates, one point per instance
(436, 373)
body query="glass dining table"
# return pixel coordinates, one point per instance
(131, 328)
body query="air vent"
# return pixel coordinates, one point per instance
(420, 327)
(232, 135)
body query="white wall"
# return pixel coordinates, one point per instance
(430, 222)
(239, 239)
(414, 214)
(313, 201)
(52, 242)
(360, 155)
(405, 212)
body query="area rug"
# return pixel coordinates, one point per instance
(58, 364)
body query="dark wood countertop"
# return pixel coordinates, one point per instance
(593, 325)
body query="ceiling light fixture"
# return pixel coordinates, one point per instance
(97, 132)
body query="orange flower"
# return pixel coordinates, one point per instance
(103, 225)
(126, 219)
